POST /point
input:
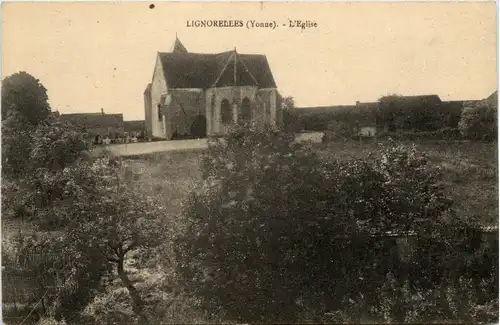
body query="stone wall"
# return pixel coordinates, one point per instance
(185, 106)
(147, 112)
(262, 104)
(158, 89)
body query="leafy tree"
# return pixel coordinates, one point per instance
(425, 113)
(258, 245)
(24, 106)
(290, 120)
(49, 267)
(288, 103)
(111, 218)
(479, 122)
(85, 202)
(341, 129)
(25, 95)
(16, 147)
(32, 191)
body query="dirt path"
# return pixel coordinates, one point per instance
(142, 148)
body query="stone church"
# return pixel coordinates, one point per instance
(193, 95)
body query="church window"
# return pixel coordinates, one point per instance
(226, 112)
(246, 111)
(212, 105)
(163, 98)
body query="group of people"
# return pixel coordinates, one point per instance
(118, 140)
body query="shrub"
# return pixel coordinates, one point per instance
(341, 129)
(441, 134)
(479, 122)
(276, 233)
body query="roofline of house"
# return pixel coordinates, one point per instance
(186, 89)
(218, 53)
(93, 114)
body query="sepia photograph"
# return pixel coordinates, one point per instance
(249, 163)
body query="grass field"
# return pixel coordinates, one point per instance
(469, 172)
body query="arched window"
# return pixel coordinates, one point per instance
(226, 113)
(246, 111)
(163, 98)
(159, 113)
(212, 106)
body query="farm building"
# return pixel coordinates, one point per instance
(360, 117)
(96, 126)
(135, 128)
(194, 94)
(390, 113)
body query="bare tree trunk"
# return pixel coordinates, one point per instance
(137, 302)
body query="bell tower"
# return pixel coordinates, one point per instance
(178, 46)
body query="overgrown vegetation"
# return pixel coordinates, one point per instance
(260, 246)
(479, 122)
(403, 118)
(83, 215)
(257, 229)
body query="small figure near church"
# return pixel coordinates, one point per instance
(193, 95)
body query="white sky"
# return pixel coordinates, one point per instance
(101, 55)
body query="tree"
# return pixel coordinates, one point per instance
(479, 122)
(49, 268)
(288, 103)
(340, 128)
(25, 95)
(290, 120)
(259, 245)
(84, 203)
(109, 217)
(24, 106)
(32, 192)
(16, 146)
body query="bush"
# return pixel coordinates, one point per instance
(441, 134)
(276, 233)
(479, 122)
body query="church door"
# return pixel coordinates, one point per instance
(199, 127)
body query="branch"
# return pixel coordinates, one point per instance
(112, 259)
(132, 245)
(115, 250)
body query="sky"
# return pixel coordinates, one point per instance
(101, 55)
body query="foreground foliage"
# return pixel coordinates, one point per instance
(85, 219)
(279, 235)
(479, 122)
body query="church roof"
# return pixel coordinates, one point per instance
(198, 70)
(148, 89)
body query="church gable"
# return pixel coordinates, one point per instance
(159, 80)
(235, 73)
(208, 92)
(196, 70)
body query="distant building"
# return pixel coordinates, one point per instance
(135, 128)
(492, 99)
(96, 126)
(390, 113)
(361, 117)
(193, 94)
